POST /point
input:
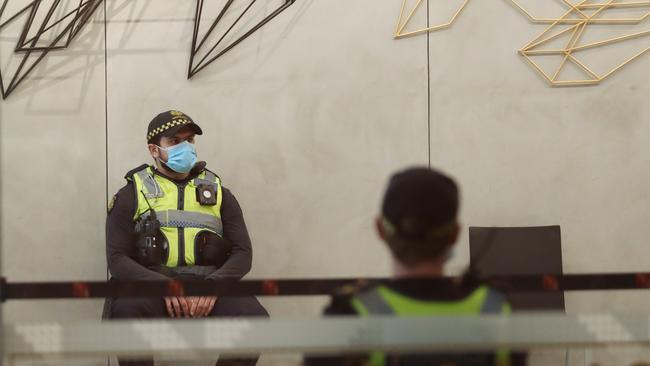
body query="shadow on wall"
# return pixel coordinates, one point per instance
(75, 70)
(70, 69)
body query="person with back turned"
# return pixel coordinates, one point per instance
(175, 220)
(419, 224)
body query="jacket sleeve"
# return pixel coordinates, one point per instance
(234, 229)
(121, 239)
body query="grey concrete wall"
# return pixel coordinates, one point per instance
(528, 154)
(305, 121)
(53, 173)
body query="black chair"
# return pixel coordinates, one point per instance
(519, 251)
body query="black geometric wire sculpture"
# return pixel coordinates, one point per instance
(212, 54)
(76, 19)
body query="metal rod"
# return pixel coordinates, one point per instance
(578, 30)
(28, 24)
(247, 34)
(41, 29)
(399, 33)
(226, 33)
(214, 24)
(207, 59)
(13, 17)
(195, 32)
(311, 287)
(23, 48)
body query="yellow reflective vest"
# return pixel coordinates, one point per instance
(382, 300)
(182, 218)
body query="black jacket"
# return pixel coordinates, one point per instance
(121, 236)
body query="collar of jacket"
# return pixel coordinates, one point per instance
(196, 170)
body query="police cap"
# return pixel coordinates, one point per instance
(420, 204)
(169, 123)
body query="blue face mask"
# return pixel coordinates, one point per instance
(181, 157)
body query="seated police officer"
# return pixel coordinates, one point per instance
(176, 220)
(418, 222)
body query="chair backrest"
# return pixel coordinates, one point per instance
(519, 250)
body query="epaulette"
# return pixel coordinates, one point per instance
(200, 167)
(129, 175)
(215, 174)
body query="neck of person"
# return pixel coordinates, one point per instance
(430, 268)
(170, 173)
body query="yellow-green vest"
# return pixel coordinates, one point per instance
(381, 300)
(181, 216)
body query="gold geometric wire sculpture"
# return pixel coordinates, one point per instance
(575, 29)
(583, 6)
(402, 22)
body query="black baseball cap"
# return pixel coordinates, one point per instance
(168, 123)
(419, 203)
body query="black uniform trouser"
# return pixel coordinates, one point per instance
(139, 308)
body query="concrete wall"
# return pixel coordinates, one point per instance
(305, 121)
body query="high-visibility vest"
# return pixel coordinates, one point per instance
(182, 218)
(381, 300)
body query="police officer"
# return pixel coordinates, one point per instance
(419, 224)
(175, 220)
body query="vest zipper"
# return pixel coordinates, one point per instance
(181, 230)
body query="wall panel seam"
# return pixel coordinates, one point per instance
(428, 91)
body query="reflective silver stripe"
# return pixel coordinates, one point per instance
(210, 179)
(198, 271)
(176, 218)
(209, 176)
(153, 188)
(493, 303)
(375, 303)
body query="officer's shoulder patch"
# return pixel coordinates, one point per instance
(129, 175)
(111, 203)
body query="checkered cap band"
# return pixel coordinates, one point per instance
(175, 122)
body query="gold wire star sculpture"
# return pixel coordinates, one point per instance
(573, 24)
(403, 22)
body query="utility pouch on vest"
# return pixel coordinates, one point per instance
(150, 247)
(206, 194)
(212, 249)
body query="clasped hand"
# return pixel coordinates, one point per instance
(190, 307)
